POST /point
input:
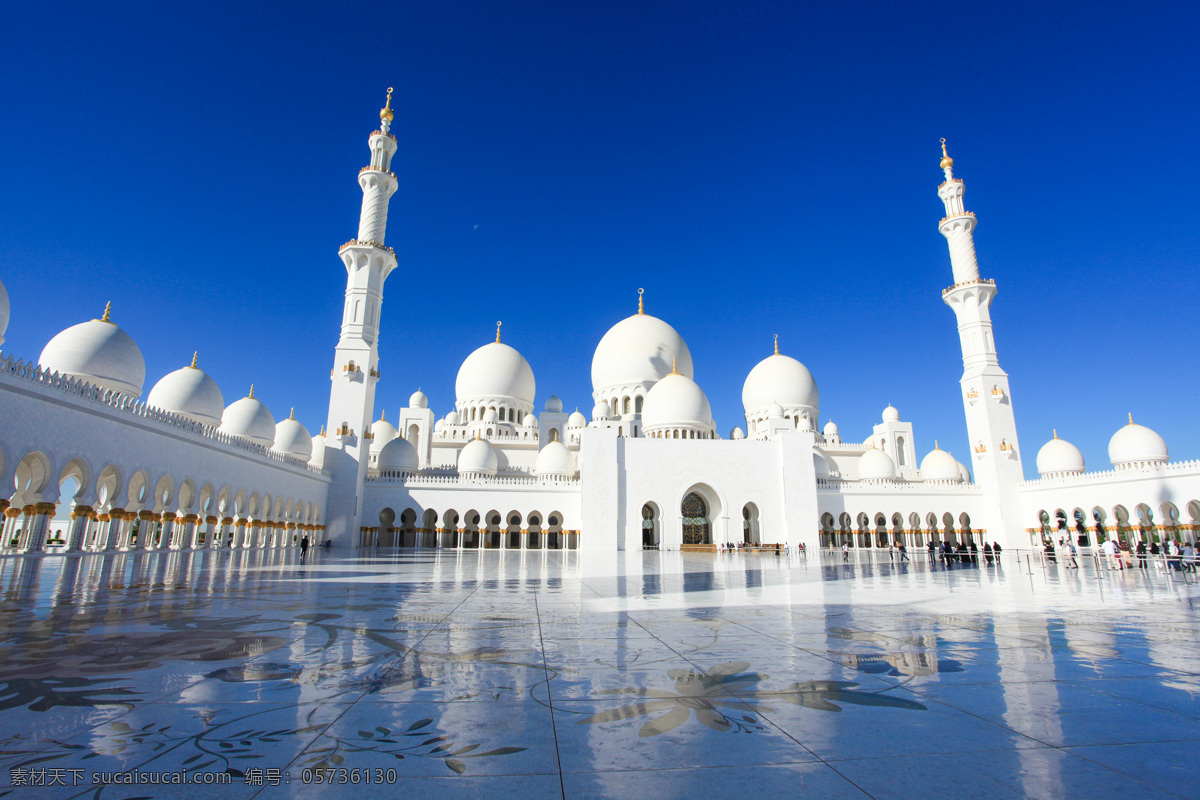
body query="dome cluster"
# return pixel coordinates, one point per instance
(100, 353)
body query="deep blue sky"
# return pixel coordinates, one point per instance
(758, 167)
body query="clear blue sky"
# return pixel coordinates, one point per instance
(758, 167)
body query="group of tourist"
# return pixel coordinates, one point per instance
(1175, 555)
(962, 553)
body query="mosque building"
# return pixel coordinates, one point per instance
(177, 468)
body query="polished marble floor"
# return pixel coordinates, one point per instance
(552, 674)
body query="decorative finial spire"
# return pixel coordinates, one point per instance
(556, 434)
(1130, 417)
(497, 331)
(674, 369)
(383, 415)
(251, 395)
(641, 307)
(292, 413)
(935, 445)
(777, 344)
(322, 433)
(947, 162)
(385, 113)
(195, 355)
(478, 435)
(1055, 433)
(107, 311)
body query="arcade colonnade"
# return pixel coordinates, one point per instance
(1092, 526)
(913, 531)
(471, 529)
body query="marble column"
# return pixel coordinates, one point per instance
(39, 521)
(80, 518)
(147, 530)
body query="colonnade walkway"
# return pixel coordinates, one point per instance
(491, 673)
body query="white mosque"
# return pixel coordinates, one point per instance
(176, 468)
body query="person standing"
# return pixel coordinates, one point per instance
(303, 547)
(1110, 549)
(987, 553)
(1070, 550)
(996, 551)
(845, 552)
(1141, 555)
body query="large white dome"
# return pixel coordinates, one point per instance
(292, 438)
(384, 432)
(397, 454)
(190, 393)
(638, 350)
(553, 404)
(495, 372)
(940, 466)
(478, 458)
(783, 380)
(576, 420)
(554, 459)
(100, 353)
(1059, 456)
(1136, 444)
(418, 400)
(676, 402)
(249, 419)
(875, 465)
(4, 311)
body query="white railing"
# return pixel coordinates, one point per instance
(88, 392)
(1085, 478)
(529, 481)
(870, 487)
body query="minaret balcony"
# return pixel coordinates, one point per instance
(377, 169)
(970, 214)
(367, 243)
(976, 282)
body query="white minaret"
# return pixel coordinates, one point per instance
(996, 456)
(368, 262)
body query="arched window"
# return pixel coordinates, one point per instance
(649, 527)
(900, 457)
(696, 528)
(512, 415)
(637, 404)
(625, 405)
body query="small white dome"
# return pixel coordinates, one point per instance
(576, 420)
(938, 465)
(439, 425)
(99, 353)
(318, 450)
(4, 311)
(452, 418)
(805, 423)
(1059, 456)
(190, 393)
(398, 454)
(384, 432)
(737, 433)
(553, 404)
(1136, 444)
(490, 417)
(478, 458)
(418, 400)
(964, 474)
(830, 430)
(875, 465)
(495, 372)
(775, 411)
(249, 419)
(676, 401)
(783, 380)
(530, 422)
(554, 459)
(293, 438)
(890, 414)
(638, 350)
(601, 411)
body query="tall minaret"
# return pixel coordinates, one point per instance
(996, 456)
(368, 262)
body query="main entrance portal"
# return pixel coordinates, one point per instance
(696, 527)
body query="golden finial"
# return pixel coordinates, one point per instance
(107, 311)
(478, 435)
(777, 344)
(1131, 418)
(292, 413)
(251, 395)
(674, 369)
(385, 113)
(935, 445)
(1056, 433)
(322, 433)
(497, 331)
(641, 307)
(195, 355)
(556, 434)
(947, 161)
(383, 415)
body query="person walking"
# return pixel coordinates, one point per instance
(903, 551)
(1070, 551)
(987, 553)
(996, 551)
(1141, 555)
(303, 547)
(845, 552)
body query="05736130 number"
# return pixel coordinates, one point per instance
(341, 775)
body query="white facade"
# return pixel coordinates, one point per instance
(646, 468)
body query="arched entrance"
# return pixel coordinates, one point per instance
(649, 527)
(696, 527)
(750, 529)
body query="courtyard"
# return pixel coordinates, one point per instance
(578, 674)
